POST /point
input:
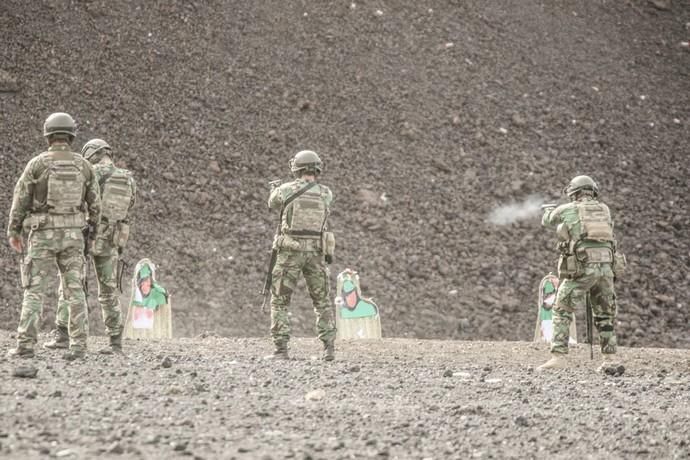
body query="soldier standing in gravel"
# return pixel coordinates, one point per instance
(118, 196)
(304, 247)
(585, 267)
(55, 198)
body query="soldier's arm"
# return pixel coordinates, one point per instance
(552, 216)
(275, 200)
(21, 200)
(92, 196)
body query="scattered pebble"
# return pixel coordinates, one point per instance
(28, 372)
(166, 363)
(315, 395)
(521, 420)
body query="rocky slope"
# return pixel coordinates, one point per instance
(429, 116)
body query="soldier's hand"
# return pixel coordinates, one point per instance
(17, 244)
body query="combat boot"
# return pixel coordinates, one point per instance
(20, 352)
(557, 361)
(281, 351)
(115, 345)
(74, 354)
(329, 351)
(60, 339)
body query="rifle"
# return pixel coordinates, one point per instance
(268, 280)
(590, 326)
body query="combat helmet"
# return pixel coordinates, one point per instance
(306, 161)
(581, 183)
(59, 123)
(94, 146)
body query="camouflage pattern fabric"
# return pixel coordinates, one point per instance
(30, 193)
(45, 247)
(105, 260)
(595, 279)
(289, 265)
(299, 256)
(280, 194)
(108, 298)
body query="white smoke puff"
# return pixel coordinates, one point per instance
(513, 212)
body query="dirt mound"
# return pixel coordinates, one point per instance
(429, 117)
(399, 398)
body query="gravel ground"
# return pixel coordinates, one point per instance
(215, 397)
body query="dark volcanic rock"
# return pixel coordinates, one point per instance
(428, 116)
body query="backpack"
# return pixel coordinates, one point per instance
(116, 195)
(65, 186)
(309, 213)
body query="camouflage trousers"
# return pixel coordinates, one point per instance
(597, 282)
(46, 248)
(286, 272)
(105, 267)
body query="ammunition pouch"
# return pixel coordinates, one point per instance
(103, 239)
(328, 243)
(594, 255)
(51, 221)
(568, 266)
(294, 244)
(25, 272)
(286, 242)
(121, 236)
(619, 263)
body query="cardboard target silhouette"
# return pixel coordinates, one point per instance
(150, 312)
(543, 332)
(356, 317)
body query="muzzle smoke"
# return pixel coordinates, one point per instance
(513, 212)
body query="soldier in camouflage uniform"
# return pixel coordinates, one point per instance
(585, 267)
(54, 200)
(118, 196)
(300, 251)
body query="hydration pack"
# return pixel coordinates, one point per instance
(309, 213)
(595, 221)
(65, 187)
(116, 195)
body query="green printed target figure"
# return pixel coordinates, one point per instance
(548, 290)
(357, 316)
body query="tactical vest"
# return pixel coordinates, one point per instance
(116, 195)
(595, 222)
(308, 215)
(65, 186)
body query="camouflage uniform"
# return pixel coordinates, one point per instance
(585, 268)
(105, 254)
(54, 236)
(299, 252)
